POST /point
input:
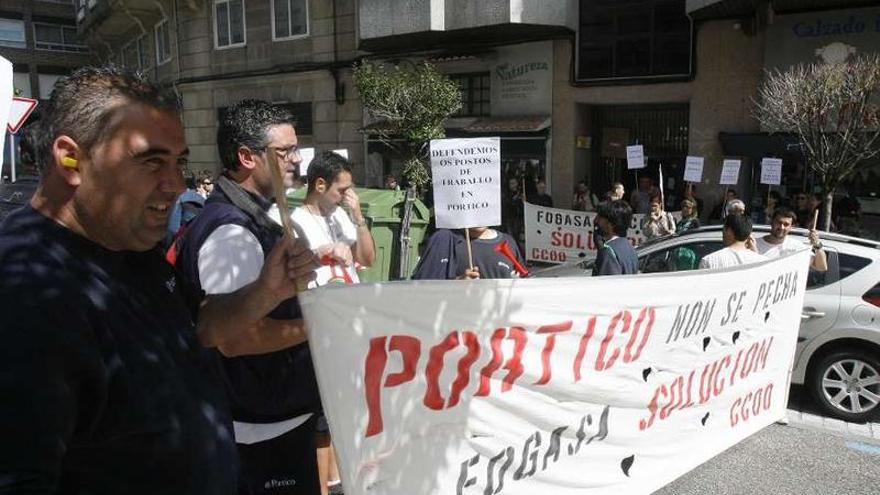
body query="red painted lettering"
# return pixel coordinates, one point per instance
(548, 348)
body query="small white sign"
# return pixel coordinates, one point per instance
(635, 157)
(693, 169)
(466, 174)
(730, 172)
(771, 171)
(343, 153)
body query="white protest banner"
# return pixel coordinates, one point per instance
(693, 169)
(6, 94)
(635, 157)
(730, 172)
(554, 235)
(466, 174)
(771, 171)
(580, 385)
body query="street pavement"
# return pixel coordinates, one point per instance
(812, 455)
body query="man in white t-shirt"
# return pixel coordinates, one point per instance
(736, 232)
(777, 243)
(340, 241)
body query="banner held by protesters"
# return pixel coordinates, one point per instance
(554, 235)
(574, 385)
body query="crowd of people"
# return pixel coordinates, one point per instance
(191, 374)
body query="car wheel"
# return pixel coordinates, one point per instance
(846, 384)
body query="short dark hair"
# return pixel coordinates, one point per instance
(327, 165)
(619, 213)
(245, 124)
(82, 105)
(785, 212)
(740, 225)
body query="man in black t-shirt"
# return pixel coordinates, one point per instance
(446, 258)
(105, 385)
(616, 256)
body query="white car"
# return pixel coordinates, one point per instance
(838, 350)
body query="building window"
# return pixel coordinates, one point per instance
(475, 93)
(229, 23)
(634, 39)
(290, 19)
(57, 37)
(12, 33)
(136, 55)
(163, 42)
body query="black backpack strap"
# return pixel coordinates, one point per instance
(240, 198)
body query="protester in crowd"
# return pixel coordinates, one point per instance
(205, 184)
(736, 234)
(512, 209)
(584, 199)
(640, 199)
(343, 242)
(777, 243)
(617, 192)
(774, 200)
(391, 183)
(720, 211)
(801, 207)
(734, 207)
(657, 222)
(271, 389)
(541, 198)
(113, 392)
(690, 192)
(187, 206)
(616, 256)
(495, 255)
(690, 217)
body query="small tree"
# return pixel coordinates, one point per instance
(409, 104)
(832, 108)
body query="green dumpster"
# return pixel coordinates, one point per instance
(383, 210)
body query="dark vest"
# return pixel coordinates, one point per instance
(264, 388)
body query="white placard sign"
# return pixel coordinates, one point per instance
(6, 94)
(730, 172)
(693, 169)
(307, 155)
(466, 174)
(554, 235)
(565, 386)
(771, 171)
(635, 157)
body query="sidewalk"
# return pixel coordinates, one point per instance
(803, 413)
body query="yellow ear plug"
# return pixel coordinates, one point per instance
(68, 162)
